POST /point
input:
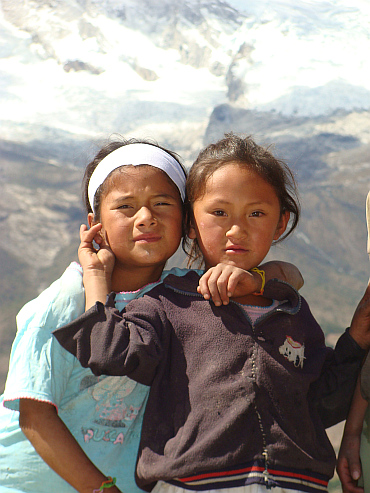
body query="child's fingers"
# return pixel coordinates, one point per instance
(203, 286)
(100, 259)
(213, 284)
(106, 258)
(208, 287)
(349, 485)
(86, 250)
(241, 283)
(234, 279)
(90, 235)
(355, 468)
(349, 472)
(217, 285)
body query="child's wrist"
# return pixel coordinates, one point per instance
(259, 279)
(95, 274)
(93, 280)
(107, 484)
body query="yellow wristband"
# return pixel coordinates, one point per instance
(263, 277)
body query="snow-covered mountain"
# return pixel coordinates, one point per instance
(89, 67)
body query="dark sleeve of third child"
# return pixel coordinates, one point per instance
(332, 393)
(104, 340)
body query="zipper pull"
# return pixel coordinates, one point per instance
(266, 475)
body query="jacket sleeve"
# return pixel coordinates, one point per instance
(116, 343)
(332, 393)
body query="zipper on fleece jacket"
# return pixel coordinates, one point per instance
(263, 318)
(266, 475)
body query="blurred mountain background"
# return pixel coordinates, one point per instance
(184, 72)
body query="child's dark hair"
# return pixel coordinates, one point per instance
(110, 146)
(246, 153)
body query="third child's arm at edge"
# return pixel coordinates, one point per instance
(284, 271)
(360, 325)
(334, 389)
(225, 281)
(349, 465)
(55, 444)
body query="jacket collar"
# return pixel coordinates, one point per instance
(187, 283)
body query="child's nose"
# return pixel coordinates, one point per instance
(145, 217)
(236, 230)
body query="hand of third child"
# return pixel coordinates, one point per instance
(224, 281)
(349, 465)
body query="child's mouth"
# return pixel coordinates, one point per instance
(236, 249)
(147, 238)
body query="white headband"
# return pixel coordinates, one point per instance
(136, 154)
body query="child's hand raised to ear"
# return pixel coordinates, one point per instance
(97, 264)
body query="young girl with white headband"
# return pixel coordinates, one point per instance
(86, 428)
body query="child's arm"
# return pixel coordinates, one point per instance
(349, 464)
(115, 343)
(225, 281)
(55, 444)
(360, 324)
(332, 392)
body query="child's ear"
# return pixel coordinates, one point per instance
(282, 225)
(91, 219)
(189, 222)
(192, 234)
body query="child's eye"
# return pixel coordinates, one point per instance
(124, 206)
(162, 203)
(257, 214)
(219, 213)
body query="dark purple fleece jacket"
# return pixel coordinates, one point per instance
(223, 391)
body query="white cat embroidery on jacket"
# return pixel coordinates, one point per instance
(293, 351)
